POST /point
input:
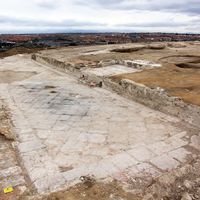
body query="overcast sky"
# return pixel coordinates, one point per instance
(32, 16)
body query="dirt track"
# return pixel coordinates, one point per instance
(18, 50)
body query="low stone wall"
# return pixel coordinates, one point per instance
(136, 64)
(153, 98)
(56, 64)
(156, 99)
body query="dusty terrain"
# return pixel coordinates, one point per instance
(18, 50)
(76, 140)
(12, 76)
(180, 82)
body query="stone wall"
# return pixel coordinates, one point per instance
(136, 64)
(156, 99)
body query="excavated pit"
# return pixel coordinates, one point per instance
(177, 59)
(189, 65)
(183, 61)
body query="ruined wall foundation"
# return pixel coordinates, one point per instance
(156, 99)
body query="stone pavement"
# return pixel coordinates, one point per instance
(110, 70)
(66, 130)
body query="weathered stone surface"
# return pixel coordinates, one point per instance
(141, 153)
(165, 162)
(109, 70)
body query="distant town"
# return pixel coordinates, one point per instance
(8, 41)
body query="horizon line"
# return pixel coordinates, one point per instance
(98, 32)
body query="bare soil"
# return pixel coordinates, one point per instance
(98, 191)
(9, 76)
(180, 82)
(19, 50)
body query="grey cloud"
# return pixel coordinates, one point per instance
(141, 7)
(44, 23)
(187, 6)
(164, 24)
(67, 25)
(154, 24)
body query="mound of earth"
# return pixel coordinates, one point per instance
(156, 46)
(138, 48)
(177, 45)
(128, 49)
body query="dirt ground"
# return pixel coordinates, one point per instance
(183, 83)
(97, 191)
(18, 50)
(10, 76)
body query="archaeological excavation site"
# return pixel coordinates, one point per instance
(102, 122)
